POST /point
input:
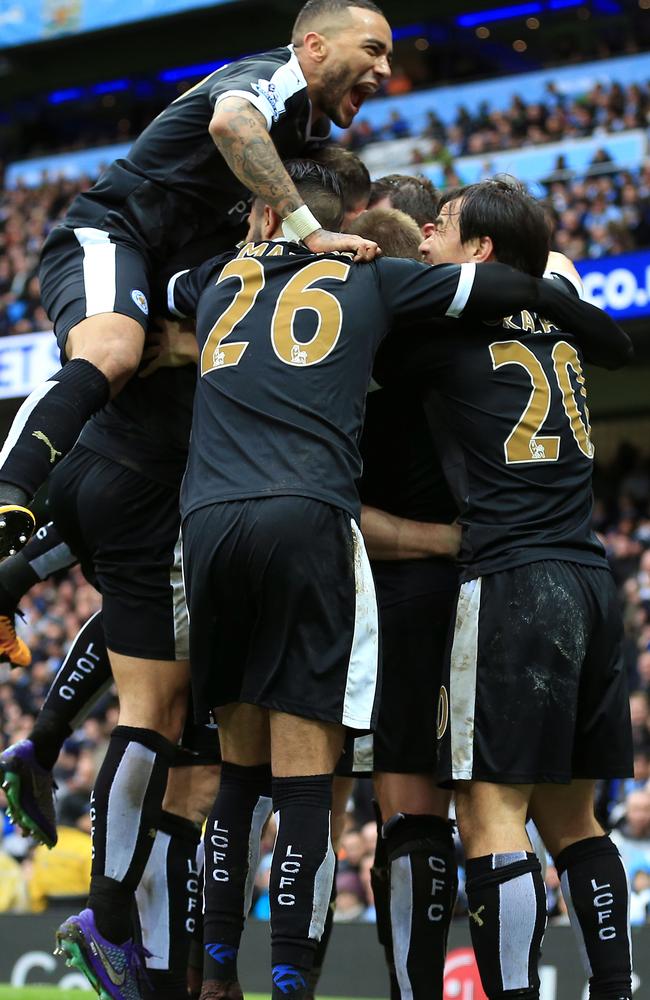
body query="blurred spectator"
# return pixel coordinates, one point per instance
(350, 897)
(398, 127)
(640, 894)
(351, 851)
(632, 837)
(64, 872)
(399, 83)
(13, 888)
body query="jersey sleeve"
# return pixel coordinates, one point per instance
(411, 289)
(602, 341)
(571, 285)
(184, 289)
(267, 84)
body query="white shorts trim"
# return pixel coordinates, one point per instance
(462, 680)
(363, 670)
(179, 605)
(99, 270)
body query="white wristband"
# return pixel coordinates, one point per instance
(300, 224)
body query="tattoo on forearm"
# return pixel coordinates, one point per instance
(248, 150)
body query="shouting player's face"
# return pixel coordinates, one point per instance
(444, 245)
(355, 62)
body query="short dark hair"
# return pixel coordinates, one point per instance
(351, 171)
(416, 196)
(396, 232)
(319, 188)
(502, 209)
(323, 10)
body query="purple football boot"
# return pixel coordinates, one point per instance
(30, 792)
(113, 970)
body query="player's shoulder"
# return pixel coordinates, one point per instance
(397, 266)
(279, 56)
(272, 74)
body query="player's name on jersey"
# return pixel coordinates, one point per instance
(277, 249)
(525, 322)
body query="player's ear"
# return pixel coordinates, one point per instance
(315, 45)
(271, 222)
(482, 249)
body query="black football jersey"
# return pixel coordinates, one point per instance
(147, 426)
(402, 475)
(508, 404)
(287, 341)
(174, 187)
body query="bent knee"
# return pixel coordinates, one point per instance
(110, 342)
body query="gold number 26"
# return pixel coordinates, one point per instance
(296, 295)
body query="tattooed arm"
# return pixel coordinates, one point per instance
(239, 132)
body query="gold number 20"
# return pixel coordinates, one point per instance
(524, 443)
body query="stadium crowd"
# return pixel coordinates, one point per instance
(600, 110)
(55, 610)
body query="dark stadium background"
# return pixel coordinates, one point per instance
(83, 89)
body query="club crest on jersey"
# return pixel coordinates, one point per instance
(140, 300)
(268, 90)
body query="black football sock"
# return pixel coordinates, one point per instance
(232, 847)
(423, 888)
(48, 424)
(167, 903)
(380, 882)
(82, 678)
(17, 576)
(595, 889)
(321, 949)
(45, 553)
(125, 810)
(302, 871)
(507, 916)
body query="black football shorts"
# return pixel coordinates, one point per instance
(125, 530)
(282, 610)
(535, 687)
(414, 615)
(86, 271)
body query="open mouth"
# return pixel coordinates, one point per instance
(359, 93)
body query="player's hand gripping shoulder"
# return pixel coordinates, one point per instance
(172, 346)
(323, 242)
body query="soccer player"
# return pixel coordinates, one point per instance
(353, 177)
(407, 522)
(114, 500)
(167, 895)
(534, 706)
(416, 196)
(185, 181)
(284, 642)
